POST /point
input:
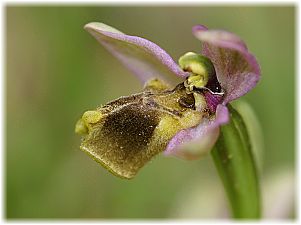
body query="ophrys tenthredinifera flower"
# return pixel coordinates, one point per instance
(181, 106)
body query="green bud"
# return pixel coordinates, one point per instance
(83, 125)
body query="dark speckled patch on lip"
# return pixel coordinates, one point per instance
(131, 127)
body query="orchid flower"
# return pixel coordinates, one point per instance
(224, 71)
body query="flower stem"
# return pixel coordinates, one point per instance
(234, 161)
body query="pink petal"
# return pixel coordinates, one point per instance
(193, 143)
(144, 58)
(237, 69)
(212, 100)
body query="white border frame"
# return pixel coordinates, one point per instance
(137, 2)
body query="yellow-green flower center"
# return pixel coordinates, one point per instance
(200, 67)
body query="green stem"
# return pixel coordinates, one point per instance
(233, 159)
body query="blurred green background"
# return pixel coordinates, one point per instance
(55, 70)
